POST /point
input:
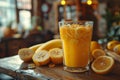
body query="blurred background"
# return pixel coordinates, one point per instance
(27, 22)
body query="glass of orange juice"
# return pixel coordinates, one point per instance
(76, 38)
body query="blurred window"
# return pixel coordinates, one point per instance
(24, 8)
(70, 12)
(24, 4)
(7, 12)
(25, 18)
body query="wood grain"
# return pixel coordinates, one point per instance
(14, 67)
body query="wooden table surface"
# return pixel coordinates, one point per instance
(14, 67)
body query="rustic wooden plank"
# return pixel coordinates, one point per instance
(16, 68)
(13, 66)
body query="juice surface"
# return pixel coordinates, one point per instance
(76, 44)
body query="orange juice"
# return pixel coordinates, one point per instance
(76, 44)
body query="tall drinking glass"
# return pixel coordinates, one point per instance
(76, 38)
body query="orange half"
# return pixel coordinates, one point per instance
(103, 64)
(98, 52)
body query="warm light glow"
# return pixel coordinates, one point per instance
(63, 2)
(89, 2)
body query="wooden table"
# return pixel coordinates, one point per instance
(14, 67)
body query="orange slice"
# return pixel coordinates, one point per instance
(103, 64)
(98, 52)
(112, 44)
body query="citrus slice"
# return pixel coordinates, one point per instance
(112, 44)
(25, 54)
(56, 55)
(41, 58)
(98, 52)
(103, 64)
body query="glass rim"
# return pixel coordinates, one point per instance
(75, 22)
(78, 21)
